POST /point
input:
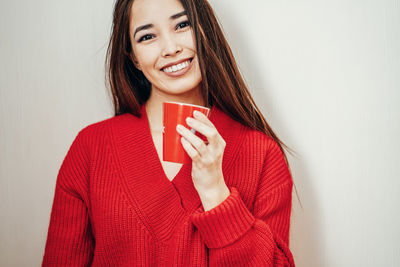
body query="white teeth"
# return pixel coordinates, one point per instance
(177, 67)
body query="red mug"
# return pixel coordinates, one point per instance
(176, 113)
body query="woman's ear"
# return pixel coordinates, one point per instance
(134, 60)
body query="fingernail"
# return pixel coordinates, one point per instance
(196, 113)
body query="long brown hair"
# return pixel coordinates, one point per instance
(222, 83)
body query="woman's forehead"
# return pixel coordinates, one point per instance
(151, 11)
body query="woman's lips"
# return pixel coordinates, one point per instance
(176, 63)
(169, 71)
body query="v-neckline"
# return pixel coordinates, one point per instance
(183, 168)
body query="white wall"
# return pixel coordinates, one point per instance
(51, 86)
(326, 74)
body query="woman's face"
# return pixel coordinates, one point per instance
(164, 47)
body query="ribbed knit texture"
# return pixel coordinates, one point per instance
(114, 205)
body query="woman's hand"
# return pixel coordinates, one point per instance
(207, 174)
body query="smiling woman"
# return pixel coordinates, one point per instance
(117, 203)
(164, 49)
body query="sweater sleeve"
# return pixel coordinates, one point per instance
(69, 239)
(236, 236)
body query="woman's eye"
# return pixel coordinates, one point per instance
(182, 25)
(150, 36)
(145, 37)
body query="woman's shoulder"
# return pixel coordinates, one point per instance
(103, 127)
(239, 132)
(100, 134)
(255, 137)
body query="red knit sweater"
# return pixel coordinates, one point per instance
(114, 205)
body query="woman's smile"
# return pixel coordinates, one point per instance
(179, 69)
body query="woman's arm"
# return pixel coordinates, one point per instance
(237, 237)
(69, 240)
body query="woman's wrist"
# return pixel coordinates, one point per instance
(212, 197)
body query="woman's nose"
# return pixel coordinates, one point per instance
(171, 46)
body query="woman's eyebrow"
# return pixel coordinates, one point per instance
(148, 26)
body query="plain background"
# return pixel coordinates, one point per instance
(326, 75)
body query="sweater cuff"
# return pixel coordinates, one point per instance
(225, 223)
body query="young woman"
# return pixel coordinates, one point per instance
(117, 203)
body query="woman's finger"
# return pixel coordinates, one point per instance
(210, 133)
(192, 152)
(203, 118)
(193, 140)
(199, 126)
